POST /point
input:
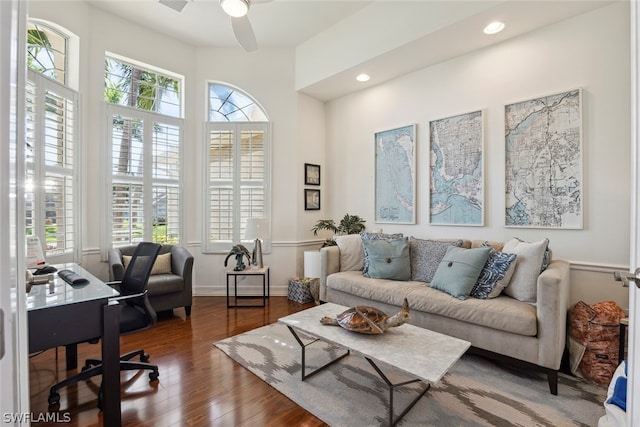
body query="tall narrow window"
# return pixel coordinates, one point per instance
(145, 151)
(238, 167)
(52, 146)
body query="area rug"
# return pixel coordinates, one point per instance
(475, 392)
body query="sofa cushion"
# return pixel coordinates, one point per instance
(495, 275)
(383, 290)
(351, 252)
(459, 270)
(388, 259)
(502, 313)
(426, 256)
(162, 265)
(524, 282)
(365, 236)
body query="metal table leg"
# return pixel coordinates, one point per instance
(392, 421)
(303, 347)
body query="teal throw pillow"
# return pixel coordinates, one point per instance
(459, 270)
(388, 259)
(365, 236)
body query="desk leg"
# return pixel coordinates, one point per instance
(71, 354)
(111, 409)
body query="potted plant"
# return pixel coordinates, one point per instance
(349, 224)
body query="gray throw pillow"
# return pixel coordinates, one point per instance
(426, 256)
(388, 259)
(459, 270)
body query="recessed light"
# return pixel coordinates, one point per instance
(494, 27)
(363, 77)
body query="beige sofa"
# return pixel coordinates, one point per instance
(533, 334)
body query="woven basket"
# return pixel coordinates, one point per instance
(299, 291)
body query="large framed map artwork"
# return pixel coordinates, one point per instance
(456, 190)
(543, 154)
(395, 180)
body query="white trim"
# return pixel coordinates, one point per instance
(633, 385)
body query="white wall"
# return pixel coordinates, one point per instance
(557, 58)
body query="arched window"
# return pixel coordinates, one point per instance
(238, 167)
(228, 104)
(47, 50)
(52, 143)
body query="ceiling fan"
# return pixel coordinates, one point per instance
(237, 10)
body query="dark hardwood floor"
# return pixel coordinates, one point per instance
(198, 384)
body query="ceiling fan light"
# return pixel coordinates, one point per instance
(235, 8)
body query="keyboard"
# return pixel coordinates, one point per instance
(72, 277)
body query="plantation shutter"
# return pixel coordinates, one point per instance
(238, 179)
(51, 194)
(145, 176)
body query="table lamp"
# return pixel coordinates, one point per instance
(257, 228)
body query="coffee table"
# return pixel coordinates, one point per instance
(418, 352)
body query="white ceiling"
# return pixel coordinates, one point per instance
(276, 23)
(304, 23)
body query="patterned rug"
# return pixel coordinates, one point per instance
(475, 392)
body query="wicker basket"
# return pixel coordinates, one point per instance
(300, 291)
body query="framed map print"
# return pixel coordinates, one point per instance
(456, 189)
(543, 154)
(395, 181)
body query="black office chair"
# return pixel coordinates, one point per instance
(136, 314)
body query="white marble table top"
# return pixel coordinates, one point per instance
(416, 351)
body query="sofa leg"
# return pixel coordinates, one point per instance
(552, 378)
(187, 310)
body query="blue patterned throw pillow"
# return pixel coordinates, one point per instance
(495, 275)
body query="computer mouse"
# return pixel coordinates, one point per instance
(45, 270)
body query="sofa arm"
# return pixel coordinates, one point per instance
(181, 261)
(329, 264)
(551, 307)
(116, 267)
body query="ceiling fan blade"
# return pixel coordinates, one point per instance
(176, 5)
(244, 33)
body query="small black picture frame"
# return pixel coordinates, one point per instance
(311, 174)
(311, 200)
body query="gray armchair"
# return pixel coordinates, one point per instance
(169, 287)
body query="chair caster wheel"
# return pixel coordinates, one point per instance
(153, 376)
(144, 357)
(54, 398)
